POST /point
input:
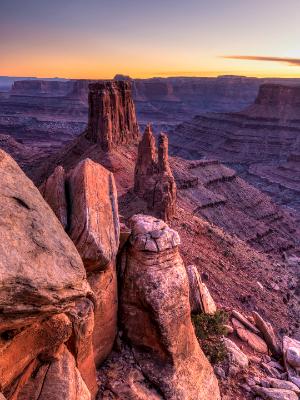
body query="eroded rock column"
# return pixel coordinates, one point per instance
(153, 180)
(155, 314)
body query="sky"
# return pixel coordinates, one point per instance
(143, 38)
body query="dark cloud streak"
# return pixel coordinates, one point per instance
(289, 61)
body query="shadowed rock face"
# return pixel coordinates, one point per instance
(153, 179)
(54, 192)
(155, 314)
(112, 119)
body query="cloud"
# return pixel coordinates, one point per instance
(289, 61)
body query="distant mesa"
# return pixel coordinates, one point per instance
(276, 101)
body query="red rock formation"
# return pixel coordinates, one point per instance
(104, 285)
(94, 228)
(45, 299)
(81, 342)
(53, 191)
(155, 314)
(112, 120)
(153, 179)
(94, 220)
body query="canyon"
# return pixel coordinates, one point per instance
(261, 142)
(126, 224)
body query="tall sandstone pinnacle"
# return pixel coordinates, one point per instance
(112, 120)
(153, 180)
(156, 315)
(89, 195)
(46, 301)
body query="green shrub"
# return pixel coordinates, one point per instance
(209, 329)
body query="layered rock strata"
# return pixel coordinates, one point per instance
(153, 179)
(155, 313)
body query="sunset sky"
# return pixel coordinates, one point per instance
(143, 38)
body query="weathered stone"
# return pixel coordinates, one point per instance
(271, 371)
(41, 339)
(54, 192)
(254, 341)
(94, 220)
(291, 356)
(280, 384)
(155, 315)
(268, 334)
(274, 394)
(153, 179)
(59, 379)
(236, 357)
(245, 321)
(104, 285)
(81, 342)
(112, 119)
(41, 272)
(200, 298)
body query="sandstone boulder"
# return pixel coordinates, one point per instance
(275, 394)
(94, 221)
(237, 359)
(268, 334)
(236, 314)
(291, 356)
(200, 298)
(253, 340)
(155, 314)
(46, 301)
(41, 272)
(281, 384)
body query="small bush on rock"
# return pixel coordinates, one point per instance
(209, 329)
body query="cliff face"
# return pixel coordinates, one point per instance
(41, 87)
(272, 94)
(112, 121)
(277, 102)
